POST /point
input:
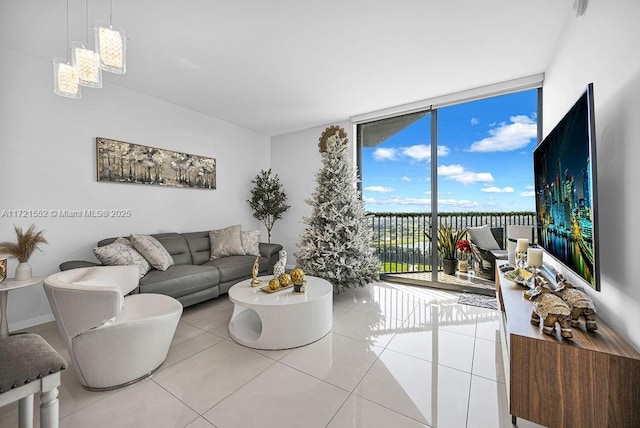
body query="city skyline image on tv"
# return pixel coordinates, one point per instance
(564, 184)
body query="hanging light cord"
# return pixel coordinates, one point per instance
(86, 22)
(110, 12)
(67, 47)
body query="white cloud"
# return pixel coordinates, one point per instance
(379, 189)
(507, 137)
(422, 152)
(461, 175)
(529, 194)
(399, 201)
(459, 203)
(405, 178)
(418, 152)
(495, 189)
(475, 121)
(384, 154)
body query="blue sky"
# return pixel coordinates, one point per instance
(484, 160)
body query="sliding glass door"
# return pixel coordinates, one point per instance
(453, 167)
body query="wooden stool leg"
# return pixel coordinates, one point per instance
(49, 411)
(25, 412)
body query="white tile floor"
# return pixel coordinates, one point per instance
(398, 356)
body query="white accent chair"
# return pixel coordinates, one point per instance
(114, 339)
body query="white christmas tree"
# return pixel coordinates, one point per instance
(337, 242)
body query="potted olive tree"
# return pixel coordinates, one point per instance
(268, 201)
(447, 243)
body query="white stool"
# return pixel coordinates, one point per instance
(30, 365)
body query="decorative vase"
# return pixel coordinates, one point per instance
(463, 266)
(23, 272)
(449, 266)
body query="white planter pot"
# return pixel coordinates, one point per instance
(23, 272)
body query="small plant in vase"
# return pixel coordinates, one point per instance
(464, 249)
(26, 243)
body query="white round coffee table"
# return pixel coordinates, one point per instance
(283, 319)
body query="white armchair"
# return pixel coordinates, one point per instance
(113, 339)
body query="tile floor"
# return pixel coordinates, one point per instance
(398, 356)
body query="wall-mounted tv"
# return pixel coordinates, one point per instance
(564, 165)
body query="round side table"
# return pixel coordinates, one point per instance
(5, 286)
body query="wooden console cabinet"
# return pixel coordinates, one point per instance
(590, 381)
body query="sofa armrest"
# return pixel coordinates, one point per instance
(267, 250)
(73, 264)
(271, 252)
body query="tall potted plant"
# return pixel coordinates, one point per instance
(26, 243)
(268, 200)
(447, 243)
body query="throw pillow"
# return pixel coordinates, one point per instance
(251, 242)
(483, 238)
(152, 250)
(226, 242)
(121, 252)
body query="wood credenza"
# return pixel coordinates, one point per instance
(590, 381)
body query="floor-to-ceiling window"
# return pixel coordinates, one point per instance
(458, 165)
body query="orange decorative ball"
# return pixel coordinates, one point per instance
(274, 284)
(285, 279)
(297, 276)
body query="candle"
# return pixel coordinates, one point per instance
(522, 245)
(534, 257)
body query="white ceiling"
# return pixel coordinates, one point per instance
(277, 66)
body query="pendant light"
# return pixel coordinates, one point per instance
(85, 60)
(66, 81)
(111, 45)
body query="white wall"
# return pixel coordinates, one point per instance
(602, 47)
(47, 161)
(295, 157)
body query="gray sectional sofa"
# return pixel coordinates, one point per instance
(194, 278)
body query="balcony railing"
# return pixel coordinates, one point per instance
(402, 246)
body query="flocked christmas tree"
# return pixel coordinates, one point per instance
(337, 242)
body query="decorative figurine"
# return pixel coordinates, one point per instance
(256, 267)
(279, 266)
(551, 309)
(297, 276)
(579, 303)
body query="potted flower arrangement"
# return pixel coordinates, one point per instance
(464, 249)
(26, 243)
(447, 244)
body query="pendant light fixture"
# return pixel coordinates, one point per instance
(111, 45)
(85, 60)
(66, 81)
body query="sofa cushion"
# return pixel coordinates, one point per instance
(251, 242)
(199, 246)
(176, 245)
(226, 242)
(153, 251)
(121, 252)
(483, 238)
(180, 280)
(237, 267)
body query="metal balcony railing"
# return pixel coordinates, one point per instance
(402, 246)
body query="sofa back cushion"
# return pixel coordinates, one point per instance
(199, 245)
(177, 246)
